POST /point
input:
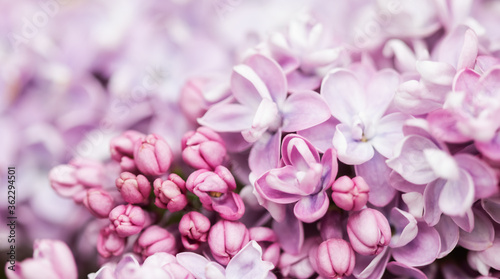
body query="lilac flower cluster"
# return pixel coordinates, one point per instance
(371, 152)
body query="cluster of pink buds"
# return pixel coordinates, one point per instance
(145, 183)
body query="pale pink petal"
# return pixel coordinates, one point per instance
(259, 76)
(481, 237)
(423, 250)
(290, 232)
(483, 176)
(303, 110)
(321, 135)
(492, 207)
(311, 208)
(248, 263)
(279, 185)
(228, 118)
(265, 153)
(376, 174)
(443, 126)
(410, 162)
(405, 226)
(379, 93)
(439, 73)
(466, 80)
(402, 270)
(432, 212)
(490, 149)
(448, 232)
(298, 152)
(457, 196)
(344, 94)
(389, 133)
(371, 266)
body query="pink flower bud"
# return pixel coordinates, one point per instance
(215, 192)
(152, 155)
(123, 145)
(73, 180)
(128, 219)
(170, 194)
(194, 228)
(134, 189)
(226, 238)
(350, 194)
(51, 258)
(334, 258)
(203, 149)
(200, 92)
(128, 164)
(369, 231)
(98, 202)
(155, 239)
(109, 243)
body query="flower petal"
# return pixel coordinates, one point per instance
(379, 93)
(265, 153)
(248, 263)
(321, 135)
(290, 232)
(344, 94)
(490, 255)
(432, 212)
(443, 126)
(490, 149)
(279, 185)
(405, 225)
(376, 174)
(194, 263)
(405, 271)
(228, 118)
(481, 237)
(258, 76)
(436, 72)
(371, 266)
(298, 152)
(457, 195)
(311, 208)
(303, 110)
(410, 162)
(492, 207)
(483, 176)
(423, 250)
(389, 133)
(442, 163)
(448, 232)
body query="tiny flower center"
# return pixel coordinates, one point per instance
(215, 194)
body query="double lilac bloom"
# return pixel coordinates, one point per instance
(450, 184)
(263, 110)
(358, 98)
(471, 111)
(302, 180)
